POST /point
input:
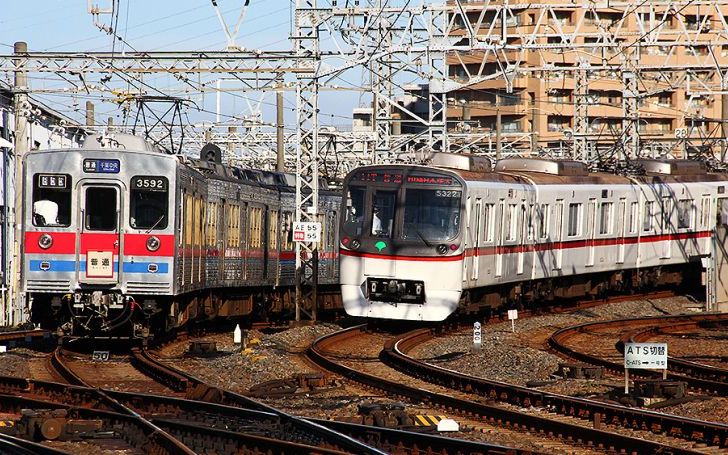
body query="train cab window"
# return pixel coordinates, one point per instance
(431, 214)
(354, 221)
(100, 209)
(149, 204)
(383, 213)
(52, 200)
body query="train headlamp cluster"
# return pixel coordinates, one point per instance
(442, 248)
(153, 243)
(45, 241)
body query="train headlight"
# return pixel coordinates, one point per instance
(45, 241)
(153, 243)
(442, 248)
(355, 244)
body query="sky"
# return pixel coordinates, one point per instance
(181, 25)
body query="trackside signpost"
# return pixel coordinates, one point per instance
(306, 232)
(513, 315)
(476, 336)
(645, 356)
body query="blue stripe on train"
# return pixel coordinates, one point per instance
(70, 266)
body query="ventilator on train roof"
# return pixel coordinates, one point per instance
(673, 167)
(553, 167)
(461, 161)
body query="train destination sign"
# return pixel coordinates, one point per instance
(101, 166)
(645, 355)
(379, 176)
(52, 181)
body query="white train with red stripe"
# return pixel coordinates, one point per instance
(420, 242)
(120, 237)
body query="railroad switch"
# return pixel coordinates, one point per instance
(202, 348)
(659, 388)
(580, 371)
(54, 424)
(301, 383)
(388, 415)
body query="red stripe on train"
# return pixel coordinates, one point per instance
(390, 257)
(136, 245)
(63, 243)
(510, 249)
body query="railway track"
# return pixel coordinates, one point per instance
(383, 439)
(578, 434)
(209, 430)
(697, 377)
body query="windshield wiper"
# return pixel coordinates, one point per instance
(155, 224)
(419, 234)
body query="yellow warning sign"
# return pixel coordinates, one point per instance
(427, 420)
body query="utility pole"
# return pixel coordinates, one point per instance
(630, 123)
(22, 108)
(498, 128)
(280, 138)
(581, 112)
(90, 114)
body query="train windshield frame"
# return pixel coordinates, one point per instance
(403, 204)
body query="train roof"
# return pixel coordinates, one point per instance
(566, 172)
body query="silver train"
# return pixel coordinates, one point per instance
(420, 242)
(120, 238)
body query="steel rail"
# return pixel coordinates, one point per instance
(493, 414)
(558, 342)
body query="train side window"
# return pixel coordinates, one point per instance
(149, 204)
(189, 216)
(273, 230)
(665, 220)
(684, 213)
(211, 225)
(287, 231)
(605, 219)
(633, 213)
(543, 221)
(52, 200)
(254, 226)
(512, 222)
(574, 227)
(648, 214)
(705, 212)
(489, 221)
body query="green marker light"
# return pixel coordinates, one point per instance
(380, 245)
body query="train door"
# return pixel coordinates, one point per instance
(591, 213)
(621, 228)
(99, 252)
(499, 238)
(475, 221)
(559, 235)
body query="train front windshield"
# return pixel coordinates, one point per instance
(422, 208)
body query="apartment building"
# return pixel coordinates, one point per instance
(671, 48)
